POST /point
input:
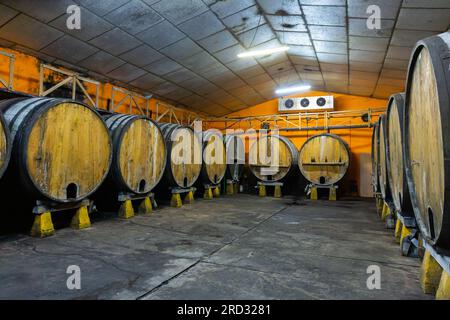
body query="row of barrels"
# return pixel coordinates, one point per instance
(411, 143)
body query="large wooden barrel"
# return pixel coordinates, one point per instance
(184, 156)
(394, 144)
(61, 148)
(284, 155)
(385, 188)
(5, 145)
(427, 137)
(139, 153)
(214, 158)
(324, 159)
(375, 157)
(235, 149)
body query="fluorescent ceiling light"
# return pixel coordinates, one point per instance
(292, 89)
(265, 52)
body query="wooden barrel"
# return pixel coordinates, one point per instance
(61, 148)
(5, 145)
(214, 158)
(235, 149)
(285, 155)
(139, 153)
(384, 162)
(375, 157)
(324, 159)
(394, 144)
(184, 156)
(427, 137)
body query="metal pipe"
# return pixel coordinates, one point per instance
(319, 128)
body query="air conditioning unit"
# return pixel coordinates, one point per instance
(306, 103)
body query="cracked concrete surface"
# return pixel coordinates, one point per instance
(238, 247)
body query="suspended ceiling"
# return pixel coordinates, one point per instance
(184, 51)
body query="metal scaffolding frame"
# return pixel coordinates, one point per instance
(131, 98)
(169, 111)
(8, 83)
(71, 77)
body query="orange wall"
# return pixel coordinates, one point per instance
(26, 79)
(359, 140)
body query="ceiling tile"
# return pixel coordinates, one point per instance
(164, 88)
(328, 33)
(323, 15)
(394, 74)
(361, 91)
(400, 53)
(92, 25)
(358, 27)
(101, 62)
(365, 66)
(342, 68)
(366, 56)
(70, 49)
(287, 23)
(101, 7)
(369, 43)
(180, 93)
(261, 78)
(330, 47)
(161, 35)
(178, 11)
(126, 73)
(272, 59)
(6, 13)
(256, 36)
(391, 82)
(180, 75)
(310, 61)
(314, 75)
(250, 72)
(43, 10)
(285, 7)
(359, 8)
(141, 56)
(198, 61)
(229, 54)
(408, 38)
(332, 58)
(280, 67)
(301, 51)
(115, 41)
(426, 4)
(363, 75)
(29, 32)
(302, 68)
(181, 49)
(163, 66)
(202, 26)
(218, 41)
(424, 19)
(134, 17)
(295, 38)
(323, 2)
(227, 8)
(147, 81)
(241, 64)
(385, 92)
(244, 20)
(396, 64)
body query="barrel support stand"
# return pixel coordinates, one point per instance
(175, 200)
(43, 225)
(406, 234)
(312, 191)
(211, 191)
(262, 190)
(379, 203)
(126, 210)
(232, 187)
(388, 215)
(435, 273)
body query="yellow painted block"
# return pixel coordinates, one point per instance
(208, 195)
(430, 274)
(443, 291)
(277, 192)
(216, 192)
(230, 189)
(398, 231)
(386, 212)
(404, 233)
(126, 210)
(262, 191)
(175, 201)
(314, 195)
(332, 195)
(145, 207)
(43, 226)
(81, 219)
(189, 198)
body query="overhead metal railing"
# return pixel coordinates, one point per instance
(8, 83)
(131, 97)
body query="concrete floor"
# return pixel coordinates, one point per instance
(239, 247)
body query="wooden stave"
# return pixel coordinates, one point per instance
(402, 205)
(204, 176)
(168, 181)
(385, 189)
(294, 158)
(234, 171)
(330, 135)
(438, 49)
(20, 124)
(8, 141)
(117, 125)
(374, 154)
